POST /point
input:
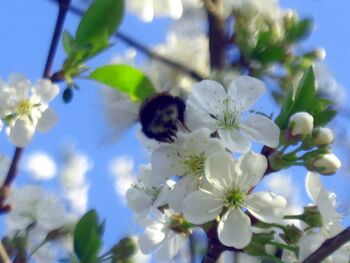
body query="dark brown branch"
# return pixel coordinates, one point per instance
(216, 35)
(329, 247)
(147, 51)
(63, 8)
(12, 172)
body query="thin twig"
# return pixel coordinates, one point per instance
(63, 8)
(146, 50)
(12, 172)
(329, 247)
(3, 254)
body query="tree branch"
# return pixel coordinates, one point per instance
(146, 50)
(12, 172)
(329, 247)
(216, 34)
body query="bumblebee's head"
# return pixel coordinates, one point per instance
(159, 116)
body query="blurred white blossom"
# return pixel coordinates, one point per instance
(148, 9)
(40, 166)
(73, 180)
(122, 169)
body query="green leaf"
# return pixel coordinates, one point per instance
(300, 29)
(287, 107)
(67, 41)
(270, 54)
(303, 99)
(103, 16)
(126, 79)
(324, 117)
(87, 242)
(305, 93)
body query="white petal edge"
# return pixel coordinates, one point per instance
(234, 141)
(234, 229)
(253, 167)
(245, 91)
(200, 207)
(47, 121)
(261, 129)
(266, 206)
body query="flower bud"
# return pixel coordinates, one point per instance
(323, 136)
(125, 249)
(301, 123)
(312, 216)
(327, 164)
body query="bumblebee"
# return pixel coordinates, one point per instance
(160, 115)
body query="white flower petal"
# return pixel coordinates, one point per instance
(266, 206)
(200, 142)
(234, 141)
(182, 189)
(313, 185)
(152, 237)
(208, 95)
(21, 85)
(144, 9)
(261, 129)
(167, 160)
(138, 200)
(220, 169)
(170, 247)
(234, 229)
(21, 133)
(253, 167)
(47, 121)
(46, 90)
(200, 207)
(245, 91)
(196, 118)
(308, 244)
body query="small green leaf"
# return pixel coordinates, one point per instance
(270, 54)
(299, 30)
(305, 93)
(67, 41)
(125, 78)
(303, 100)
(324, 117)
(87, 242)
(103, 16)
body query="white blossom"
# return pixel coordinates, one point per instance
(231, 182)
(34, 205)
(148, 9)
(211, 106)
(326, 203)
(186, 158)
(159, 236)
(73, 180)
(190, 51)
(25, 108)
(148, 192)
(40, 165)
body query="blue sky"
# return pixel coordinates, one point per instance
(25, 30)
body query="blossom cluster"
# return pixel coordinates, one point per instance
(208, 173)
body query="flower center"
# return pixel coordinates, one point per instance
(24, 107)
(195, 165)
(234, 197)
(228, 119)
